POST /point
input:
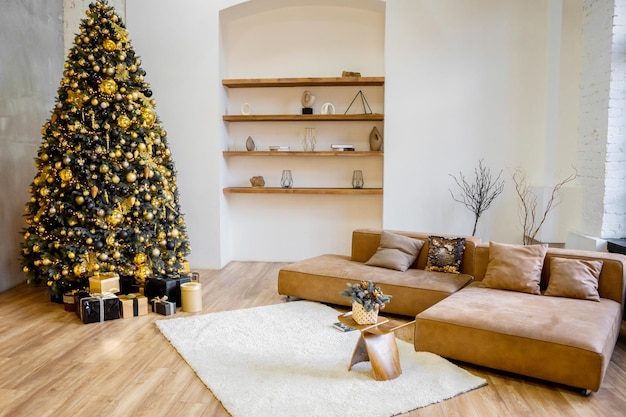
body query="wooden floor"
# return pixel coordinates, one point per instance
(53, 365)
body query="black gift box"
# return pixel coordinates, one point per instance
(128, 284)
(98, 308)
(78, 295)
(165, 286)
(164, 307)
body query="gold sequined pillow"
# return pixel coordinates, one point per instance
(445, 254)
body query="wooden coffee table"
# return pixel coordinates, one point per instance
(376, 345)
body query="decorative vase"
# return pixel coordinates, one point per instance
(357, 179)
(376, 140)
(364, 317)
(286, 181)
(250, 145)
(309, 142)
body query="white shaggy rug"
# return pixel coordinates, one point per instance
(288, 360)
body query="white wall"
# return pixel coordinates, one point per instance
(179, 46)
(464, 81)
(31, 53)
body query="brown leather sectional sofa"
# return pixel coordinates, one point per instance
(563, 340)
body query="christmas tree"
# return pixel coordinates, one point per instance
(104, 198)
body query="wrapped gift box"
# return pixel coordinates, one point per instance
(133, 305)
(97, 308)
(165, 287)
(104, 283)
(163, 306)
(129, 284)
(68, 300)
(78, 295)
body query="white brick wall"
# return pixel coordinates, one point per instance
(602, 129)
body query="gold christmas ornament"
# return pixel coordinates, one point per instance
(79, 269)
(115, 218)
(108, 86)
(66, 174)
(144, 272)
(140, 258)
(123, 122)
(109, 45)
(149, 116)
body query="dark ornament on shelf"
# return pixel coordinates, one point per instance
(363, 102)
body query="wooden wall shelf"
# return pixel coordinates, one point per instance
(304, 117)
(302, 82)
(277, 190)
(302, 153)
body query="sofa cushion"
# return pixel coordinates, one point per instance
(395, 251)
(574, 278)
(445, 254)
(563, 340)
(515, 267)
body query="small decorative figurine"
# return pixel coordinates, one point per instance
(257, 181)
(250, 145)
(376, 140)
(307, 102)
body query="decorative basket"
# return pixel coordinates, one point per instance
(364, 317)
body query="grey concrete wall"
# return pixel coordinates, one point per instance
(31, 66)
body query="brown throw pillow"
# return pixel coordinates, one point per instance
(445, 254)
(574, 278)
(395, 251)
(515, 267)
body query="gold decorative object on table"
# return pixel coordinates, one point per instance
(367, 300)
(364, 317)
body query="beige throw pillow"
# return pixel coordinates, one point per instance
(515, 267)
(574, 278)
(395, 251)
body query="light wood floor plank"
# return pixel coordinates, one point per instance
(53, 365)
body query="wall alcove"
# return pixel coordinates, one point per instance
(293, 39)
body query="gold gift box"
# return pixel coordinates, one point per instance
(107, 282)
(132, 305)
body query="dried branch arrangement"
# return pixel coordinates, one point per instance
(479, 195)
(531, 222)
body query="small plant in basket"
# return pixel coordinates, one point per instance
(367, 294)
